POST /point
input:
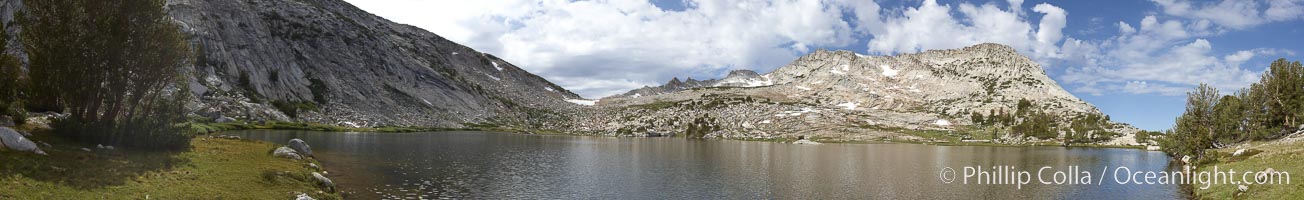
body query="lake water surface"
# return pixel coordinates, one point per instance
(505, 165)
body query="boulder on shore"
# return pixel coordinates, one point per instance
(324, 182)
(286, 152)
(11, 139)
(301, 147)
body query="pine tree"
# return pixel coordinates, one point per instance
(1283, 87)
(1227, 117)
(1194, 129)
(114, 65)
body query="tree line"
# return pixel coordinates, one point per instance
(1029, 120)
(1266, 110)
(114, 66)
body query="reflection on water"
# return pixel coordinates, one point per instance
(504, 165)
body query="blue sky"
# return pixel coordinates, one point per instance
(1132, 59)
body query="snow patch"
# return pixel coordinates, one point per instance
(493, 77)
(636, 95)
(746, 82)
(802, 88)
(583, 102)
(549, 89)
(795, 113)
(765, 122)
(942, 122)
(842, 70)
(888, 71)
(454, 53)
(848, 105)
(496, 66)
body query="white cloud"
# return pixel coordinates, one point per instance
(1168, 57)
(1234, 14)
(1160, 58)
(1124, 28)
(1141, 87)
(1284, 10)
(575, 42)
(1049, 30)
(932, 26)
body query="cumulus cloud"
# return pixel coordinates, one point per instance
(1234, 14)
(630, 43)
(1160, 58)
(932, 26)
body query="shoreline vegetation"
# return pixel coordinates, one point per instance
(211, 168)
(1253, 129)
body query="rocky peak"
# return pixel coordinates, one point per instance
(742, 73)
(674, 81)
(949, 82)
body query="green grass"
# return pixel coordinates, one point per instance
(211, 169)
(1282, 157)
